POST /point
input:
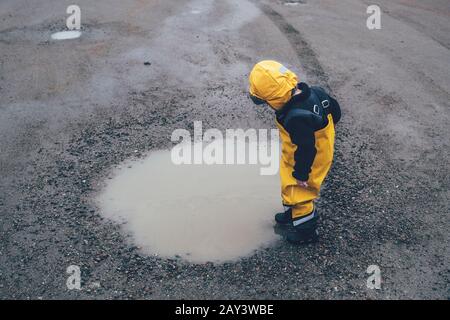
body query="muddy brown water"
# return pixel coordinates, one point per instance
(199, 213)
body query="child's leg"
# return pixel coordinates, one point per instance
(302, 212)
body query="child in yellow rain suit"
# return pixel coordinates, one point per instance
(305, 117)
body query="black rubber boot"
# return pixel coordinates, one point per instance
(304, 233)
(284, 217)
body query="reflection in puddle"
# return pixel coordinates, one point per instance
(198, 212)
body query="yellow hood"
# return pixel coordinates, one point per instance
(271, 81)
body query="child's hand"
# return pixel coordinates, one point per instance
(303, 184)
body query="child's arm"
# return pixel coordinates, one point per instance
(302, 135)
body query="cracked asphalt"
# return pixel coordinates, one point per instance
(71, 111)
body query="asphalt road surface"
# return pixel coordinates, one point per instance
(71, 110)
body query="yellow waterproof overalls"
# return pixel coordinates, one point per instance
(273, 83)
(301, 199)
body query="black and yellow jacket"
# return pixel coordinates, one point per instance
(301, 117)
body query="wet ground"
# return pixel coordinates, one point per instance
(71, 111)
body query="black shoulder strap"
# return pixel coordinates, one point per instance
(323, 97)
(310, 109)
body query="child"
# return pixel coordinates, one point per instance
(305, 117)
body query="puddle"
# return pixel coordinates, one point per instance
(66, 35)
(294, 3)
(199, 213)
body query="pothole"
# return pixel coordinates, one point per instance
(199, 213)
